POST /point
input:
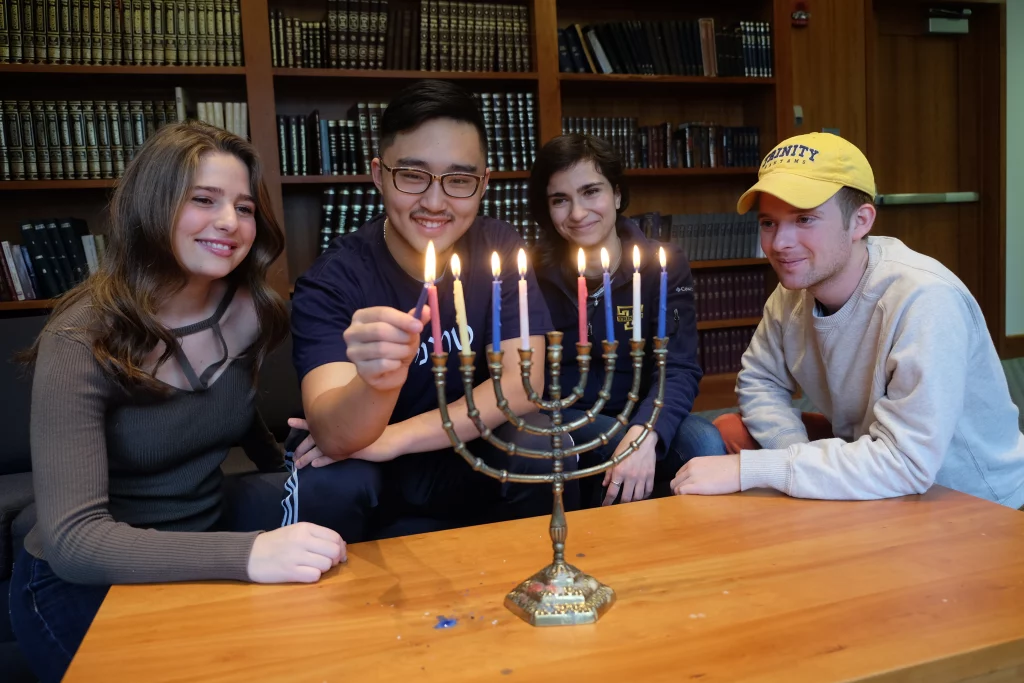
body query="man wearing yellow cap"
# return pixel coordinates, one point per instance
(886, 342)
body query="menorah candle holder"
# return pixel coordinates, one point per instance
(559, 594)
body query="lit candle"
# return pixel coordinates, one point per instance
(636, 293)
(662, 293)
(581, 294)
(460, 304)
(609, 323)
(496, 302)
(430, 274)
(524, 310)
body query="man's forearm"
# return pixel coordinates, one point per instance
(347, 419)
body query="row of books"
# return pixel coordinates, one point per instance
(668, 145)
(729, 295)
(705, 236)
(55, 255)
(720, 351)
(231, 116)
(141, 32)
(311, 145)
(76, 139)
(440, 35)
(347, 207)
(681, 48)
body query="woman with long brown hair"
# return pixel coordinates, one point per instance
(144, 378)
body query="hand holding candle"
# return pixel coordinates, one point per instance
(609, 321)
(524, 311)
(460, 304)
(636, 293)
(430, 274)
(581, 294)
(496, 302)
(663, 290)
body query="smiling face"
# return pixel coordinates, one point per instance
(438, 146)
(583, 207)
(814, 249)
(216, 225)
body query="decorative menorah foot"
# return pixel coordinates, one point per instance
(560, 595)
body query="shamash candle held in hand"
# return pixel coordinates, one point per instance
(430, 274)
(636, 293)
(663, 290)
(581, 294)
(496, 302)
(609, 322)
(460, 304)
(524, 311)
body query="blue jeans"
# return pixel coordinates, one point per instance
(50, 616)
(695, 437)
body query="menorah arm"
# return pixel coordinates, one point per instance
(554, 349)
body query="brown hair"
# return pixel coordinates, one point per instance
(849, 201)
(559, 154)
(140, 270)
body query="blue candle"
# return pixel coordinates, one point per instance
(496, 302)
(609, 322)
(663, 291)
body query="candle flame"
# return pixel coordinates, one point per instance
(636, 257)
(661, 256)
(430, 270)
(605, 261)
(456, 266)
(522, 263)
(495, 264)
(581, 261)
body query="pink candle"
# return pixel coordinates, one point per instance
(581, 295)
(435, 318)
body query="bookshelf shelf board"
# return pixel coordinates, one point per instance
(56, 184)
(692, 172)
(735, 322)
(664, 79)
(407, 75)
(33, 304)
(346, 179)
(728, 263)
(121, 70)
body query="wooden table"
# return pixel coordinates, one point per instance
(734, 588)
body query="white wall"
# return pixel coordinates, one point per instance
(1015, 167)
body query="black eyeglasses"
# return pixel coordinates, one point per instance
(417, 181)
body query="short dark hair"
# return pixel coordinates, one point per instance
(559, 154)
(427, 100)
(849, 200)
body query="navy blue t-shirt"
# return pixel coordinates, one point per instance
(358, 271)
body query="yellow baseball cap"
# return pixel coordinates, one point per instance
(806, 170)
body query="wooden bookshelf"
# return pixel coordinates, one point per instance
(644, 79)
(735, 322)
(34, 304)
(122, 70)
(91, 184)
(689, 172)
(381, 74)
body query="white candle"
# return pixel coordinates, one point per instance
(524, 311)
(636, 293)
(460, 304)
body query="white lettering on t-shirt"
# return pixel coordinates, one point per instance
(449, 339)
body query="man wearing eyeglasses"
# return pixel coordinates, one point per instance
(363, 359)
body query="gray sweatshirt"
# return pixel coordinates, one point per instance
(908, 376)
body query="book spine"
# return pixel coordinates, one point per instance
(92, 149)
(282, 143)
(53, 140)
(42, 148)
(202, 40)
(159, 51)
(28, 140)
(170, 33)
(236, 34)
(147, 32)
(138, 57)
(5, 39)
(106, 158)
(213, 56)
(96, 38)
(39, 24)
(14, 27)
(5, 162)
(116, 144)
(64, 11)
(28, 34)
(15, 150)
(181, 26)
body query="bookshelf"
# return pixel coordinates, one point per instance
(271, 90)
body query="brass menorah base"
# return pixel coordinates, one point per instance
(560, 594)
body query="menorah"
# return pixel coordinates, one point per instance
(559, 594)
